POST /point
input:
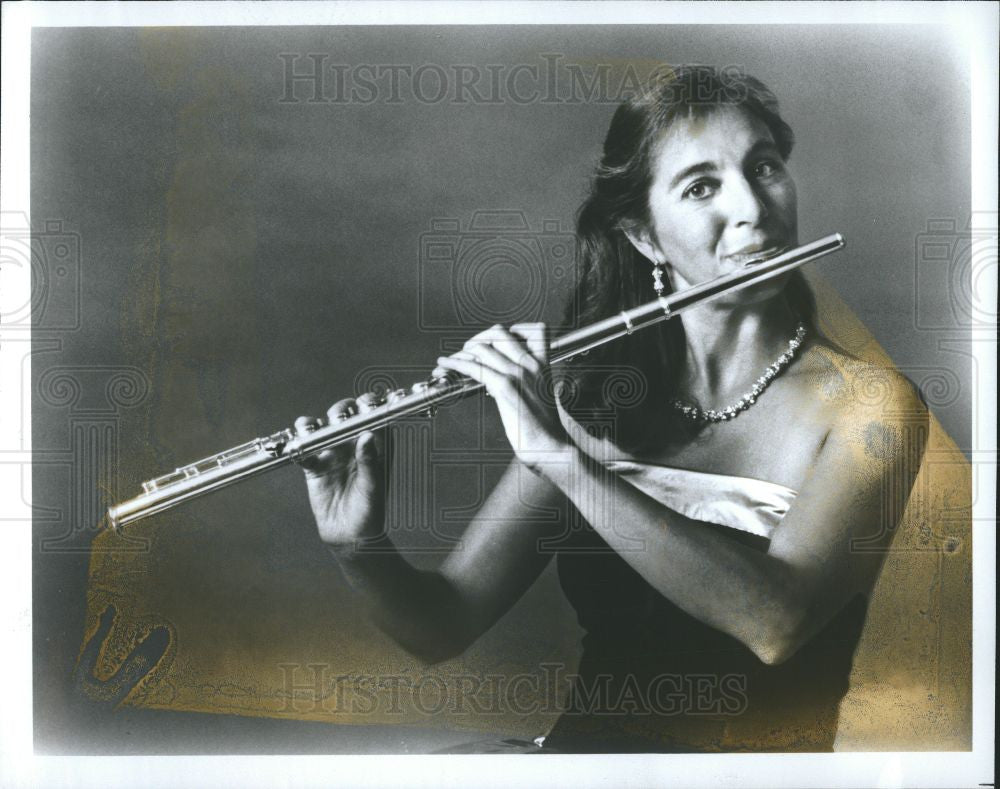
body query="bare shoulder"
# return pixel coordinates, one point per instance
(868, 402)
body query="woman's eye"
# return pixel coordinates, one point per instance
(699, 190)
(765, 168)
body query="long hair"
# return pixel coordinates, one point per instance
(635, 379)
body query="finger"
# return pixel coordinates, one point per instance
(306, 423)
(536, 336)
(536, 339)
(495, 332)
(366, 402)
(320, 464)
(516, 349)
(371, 464)
(369, 402)
(303, 426)
(341, 410)
(492, 356)
(497, 384)
(496, 337)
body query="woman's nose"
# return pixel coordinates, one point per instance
(746, 204)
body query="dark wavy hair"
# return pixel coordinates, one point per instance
(631, 381)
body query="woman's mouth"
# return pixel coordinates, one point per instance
(756, 256)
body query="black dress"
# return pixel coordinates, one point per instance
(654, 679)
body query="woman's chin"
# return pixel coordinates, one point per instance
(755, 294)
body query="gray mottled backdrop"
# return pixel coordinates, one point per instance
(223, 249)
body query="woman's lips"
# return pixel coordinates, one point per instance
(757, 256)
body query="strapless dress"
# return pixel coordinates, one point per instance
(654, 679)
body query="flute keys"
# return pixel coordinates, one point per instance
(421, 387)
(273, 445)
(307, 428)
(447, 379)
(397, 394)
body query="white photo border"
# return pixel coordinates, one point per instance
(973, 26)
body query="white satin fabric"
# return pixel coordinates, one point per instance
(750, 505)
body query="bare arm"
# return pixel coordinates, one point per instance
(437, 614)
(772, 602)
(434, 614)
(828, 547)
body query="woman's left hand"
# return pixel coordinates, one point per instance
(514, 367)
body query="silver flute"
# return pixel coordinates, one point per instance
(290, 446)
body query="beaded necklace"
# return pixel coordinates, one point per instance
(775, 369)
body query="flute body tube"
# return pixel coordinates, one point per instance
(289, 446)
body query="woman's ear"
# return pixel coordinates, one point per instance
(640, 239)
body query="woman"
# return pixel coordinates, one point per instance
(713, 571)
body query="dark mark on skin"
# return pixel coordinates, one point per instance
(829, 377)
(880, 441)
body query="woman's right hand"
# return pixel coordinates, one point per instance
(347, 483)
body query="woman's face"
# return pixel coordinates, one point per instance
(720, 197)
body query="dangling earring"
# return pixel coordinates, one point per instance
(658, 279)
